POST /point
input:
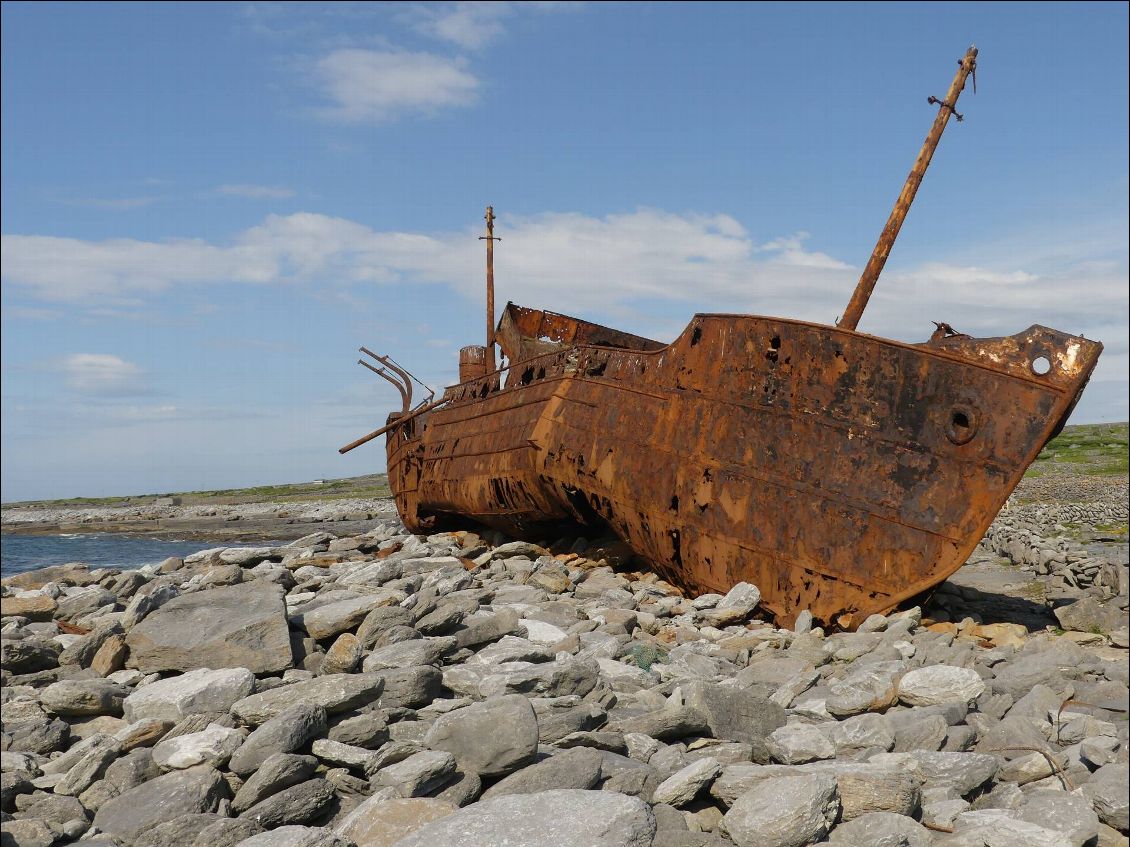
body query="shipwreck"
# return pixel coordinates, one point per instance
(838, 471)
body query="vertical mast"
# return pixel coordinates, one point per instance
(490, 239)
(966, 65)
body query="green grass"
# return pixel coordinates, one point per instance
(373, 485)
(1087, 449)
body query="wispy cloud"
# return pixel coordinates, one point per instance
(109, 204)
(381, 85)
(255, 192)
(592, 265)
(469, 25)
(102, 375)
(25, 313)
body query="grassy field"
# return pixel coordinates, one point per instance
(373, 485)
(1088, 450)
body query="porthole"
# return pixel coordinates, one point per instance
(961, 425)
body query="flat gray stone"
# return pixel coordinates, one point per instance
(1109, 793)
(368, 730)
(334, 693)
(882, 829)
(963, 772)
(791, 811)
(869, 688)
(565, 818)
(294, 836)
(666, 724)
(279, 771)
(238, 626)
(684, 785)
(84, 772)
(419, 651)
(139, 809)
(298, 804)
(796, 744)
(77, 698)
(200, 691)
(381, 821)
(939, 684)
(342, 615)
(735, 715)
(577, 768)
(284, 733)
(492, 738)
(409, 688)
(419, 774)
(211, 746)
(1066, 813)
(1089, 615)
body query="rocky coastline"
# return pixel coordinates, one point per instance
(216, 522)
(369, 687)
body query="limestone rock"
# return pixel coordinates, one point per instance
(565, 818)
(578, 768)
(279, 771)
(284, 733)
(239, 626)
(939, 684)
(177, 793)
(784, 812)
(334, 693)
(212, 746)
(492, 738)
(381, 822)
(201, 691)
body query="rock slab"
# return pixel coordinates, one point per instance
(238, 626)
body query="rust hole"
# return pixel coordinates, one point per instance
(696, 336)
(1041, 366)
(962, 425)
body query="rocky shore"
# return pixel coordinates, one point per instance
(376, 688)
(232, 522)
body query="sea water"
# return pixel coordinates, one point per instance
(20, 553)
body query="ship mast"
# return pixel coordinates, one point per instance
(967, 65)
(489, 238)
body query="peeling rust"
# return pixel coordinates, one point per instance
(844, 474)
(840, 472)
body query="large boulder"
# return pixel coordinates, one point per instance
(77, 698)
(202, 691)
(238, 626)
(284, 733)
(566, 818)
(790, 811)
(491, 738)
(735, 715)
(177, 793)
(381, 821)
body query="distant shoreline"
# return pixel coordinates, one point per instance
(273, 521)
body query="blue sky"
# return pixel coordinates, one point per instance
(207, 208)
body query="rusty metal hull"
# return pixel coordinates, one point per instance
(840, 472)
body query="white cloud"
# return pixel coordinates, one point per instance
(380, 85)
(102, 375)
(470, 25)
(255, 192)
(600, 267)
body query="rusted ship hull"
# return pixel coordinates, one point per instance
(839, 472)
